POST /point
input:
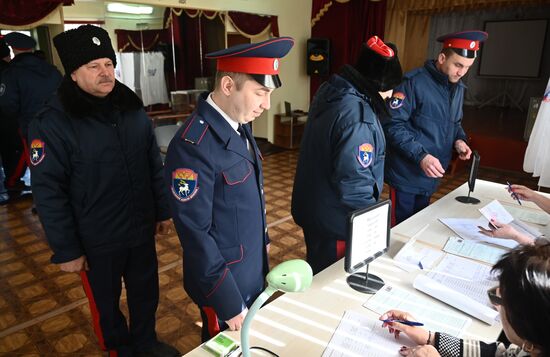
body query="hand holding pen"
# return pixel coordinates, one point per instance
(514, 196)
(399, 321)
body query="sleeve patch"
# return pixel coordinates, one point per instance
(365, 154)
(37, 152)
(184, 184)
(397, 100)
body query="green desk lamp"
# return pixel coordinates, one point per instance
(290, 276)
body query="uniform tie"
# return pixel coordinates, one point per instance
(240, 129)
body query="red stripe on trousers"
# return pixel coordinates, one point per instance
(213, 326)
(392, 199)
(340, 249)
(22, 164)
(94, 311)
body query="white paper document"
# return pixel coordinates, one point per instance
(496, 211)
(358, 335)
(474, 250)
(463, 284)
(434, 318)
(528, 215)
(414, 257)
(467, 228)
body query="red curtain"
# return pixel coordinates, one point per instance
(20, 13)
(252, 24)
(132, 41)
(357, 21)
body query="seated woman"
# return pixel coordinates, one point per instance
(522, 299)
(501, 230)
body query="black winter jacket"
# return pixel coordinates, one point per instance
(96, 172)
(26, 84)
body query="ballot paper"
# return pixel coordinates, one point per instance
(468, 229)
(494, 210)
(474, 250)
(358, 335)
(415, 257)
(463, 284)
(434, 317)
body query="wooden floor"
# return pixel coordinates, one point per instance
(44, 312)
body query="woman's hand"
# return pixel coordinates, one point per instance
(505, 231)
(417, 334)
(523, 193)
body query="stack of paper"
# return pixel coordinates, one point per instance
(434, 318)
(463, 284)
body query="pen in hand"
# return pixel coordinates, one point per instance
(404, 322)
(513, 193)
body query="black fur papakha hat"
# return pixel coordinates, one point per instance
(378, 64)
(79, 46)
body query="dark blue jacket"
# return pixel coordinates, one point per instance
(26, 85)
(96, 173)
(426, 118)
(341, 163)
(218, 209)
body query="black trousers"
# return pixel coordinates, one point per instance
(138, 268)
(406, 204)
(12, 151)
(322, 251)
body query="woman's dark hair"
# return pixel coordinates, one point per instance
(525, 291)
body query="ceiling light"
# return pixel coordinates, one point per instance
(129, 9)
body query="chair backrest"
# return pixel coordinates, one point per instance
(164, 134)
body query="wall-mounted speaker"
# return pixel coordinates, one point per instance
(318, 56)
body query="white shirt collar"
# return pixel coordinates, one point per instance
(231, 122)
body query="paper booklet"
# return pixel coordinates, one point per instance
(463, 284)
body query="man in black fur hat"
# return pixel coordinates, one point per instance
(97, 184)
(341, 163)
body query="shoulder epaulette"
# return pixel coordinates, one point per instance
(196, 128)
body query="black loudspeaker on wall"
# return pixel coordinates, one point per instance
(318, 56)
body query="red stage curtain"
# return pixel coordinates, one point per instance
(357, 21)
(251, 25)
(28, 12)
(131, 41)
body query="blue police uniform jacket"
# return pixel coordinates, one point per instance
(426, 118)
(25, 86)
(341, 163)
(97, 176)
(218, 209)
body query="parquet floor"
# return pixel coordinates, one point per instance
(44, 312)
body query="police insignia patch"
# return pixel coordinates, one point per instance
(38, 152)
(366, 154)
(184, 184)
(396, 100)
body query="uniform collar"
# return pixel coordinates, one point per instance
(439, 76)
(222, 128)
(231, 122)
